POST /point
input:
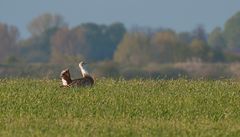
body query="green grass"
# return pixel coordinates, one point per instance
(120, 108)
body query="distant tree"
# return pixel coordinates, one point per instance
(37, 48)
(185, 37)
(217, 44)
(166, 47)
(200, 33)
(114, 34)
(45, 22)
(8, 42)
(102, 40)
(199, 49)
(133, 49)
(232, 31)
(96, 40)
(216, 39)
(68, 45)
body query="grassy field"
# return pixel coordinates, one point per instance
(120, 108)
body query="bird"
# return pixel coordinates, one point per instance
(86, 80)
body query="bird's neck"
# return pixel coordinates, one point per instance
(83, 71)
(66, 81)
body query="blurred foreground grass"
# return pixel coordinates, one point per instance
(120, 108)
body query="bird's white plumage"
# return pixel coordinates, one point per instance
(83, 71)
(64, 82)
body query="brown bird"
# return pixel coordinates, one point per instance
(86, 79)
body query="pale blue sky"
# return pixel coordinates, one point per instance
(181, 15)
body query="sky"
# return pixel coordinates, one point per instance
(180, 15)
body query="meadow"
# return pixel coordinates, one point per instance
(39, 107)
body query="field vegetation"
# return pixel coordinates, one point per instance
(38, 107)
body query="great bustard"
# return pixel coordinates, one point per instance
(86, 80)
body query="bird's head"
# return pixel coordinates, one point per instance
(82, 63)
(65, 74)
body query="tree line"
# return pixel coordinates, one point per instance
(53, 41)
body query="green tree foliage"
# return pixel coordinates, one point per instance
(139, 49)
(133, 49)
(166, 47)
(217, 43)
(216, 39)
(199, 49)
(103, 40)
(8, 42)
(232, 31)
(114, 34)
